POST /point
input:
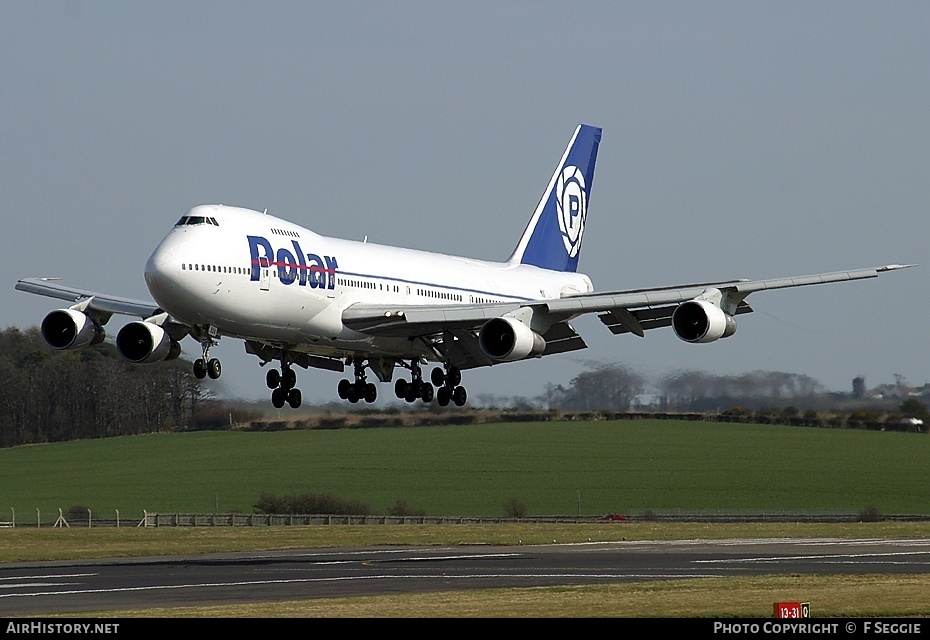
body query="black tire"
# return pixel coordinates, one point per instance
(371, 392)
(459, 396)
(353, 394)
(278, 396)
(438, 377)
(343, 389)
(214, 368)
(454, 378)
(200, 369)
(400, 388)
(294, 398)
(442, 396)
(427, 395)
(273, 378)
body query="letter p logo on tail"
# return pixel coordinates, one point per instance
(552, 240)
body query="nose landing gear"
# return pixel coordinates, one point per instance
(207, 366)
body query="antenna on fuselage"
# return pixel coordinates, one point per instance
(266, 211)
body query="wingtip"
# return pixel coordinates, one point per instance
(895, 267)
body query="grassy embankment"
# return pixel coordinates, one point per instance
(551, 468)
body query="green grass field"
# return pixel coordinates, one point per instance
(473, 470)
(552, 468)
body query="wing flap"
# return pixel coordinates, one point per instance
(561, 338)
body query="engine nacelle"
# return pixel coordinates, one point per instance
(71, 329)
(702, 321)
(508, 339)
(144, 342)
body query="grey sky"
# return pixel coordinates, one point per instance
(743, 139)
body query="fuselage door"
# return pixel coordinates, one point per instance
(265, 273)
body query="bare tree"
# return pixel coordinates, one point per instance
(602, 387)
(48, 395)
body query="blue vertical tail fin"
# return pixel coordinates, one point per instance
(552, 239)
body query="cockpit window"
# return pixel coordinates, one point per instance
(186, 220)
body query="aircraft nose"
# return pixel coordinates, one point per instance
(158, 261)
(162, 267)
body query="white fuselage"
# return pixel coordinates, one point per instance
(258, 277)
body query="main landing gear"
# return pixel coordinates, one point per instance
(447, 383)
(207, 366)
(283, 385)
(360, 389)
(416, 389)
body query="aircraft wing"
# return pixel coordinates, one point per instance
(637, 310)
(454, 327)
(99, 302)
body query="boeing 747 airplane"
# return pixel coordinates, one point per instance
(300, 299)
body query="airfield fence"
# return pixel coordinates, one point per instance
(252, 520)
(277, 520)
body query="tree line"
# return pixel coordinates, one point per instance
(614, 387)
(701, 391)
(50, 396)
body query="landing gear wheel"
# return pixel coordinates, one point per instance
(454, 377)
(427, 394)
(411, 393)
(343, 389)
(442, 396)
(273, 379)
(459, 396)
(371, 392)
(438, 377)
(282, 382)
(200, 369)
(352, 396)
(400, 388)
(214, 368)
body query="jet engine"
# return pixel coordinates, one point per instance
(702, 321)
(71, 329)
(144, 342)
(508, 339)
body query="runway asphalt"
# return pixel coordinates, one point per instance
(29, 589)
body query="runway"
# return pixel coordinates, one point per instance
(233, 578)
